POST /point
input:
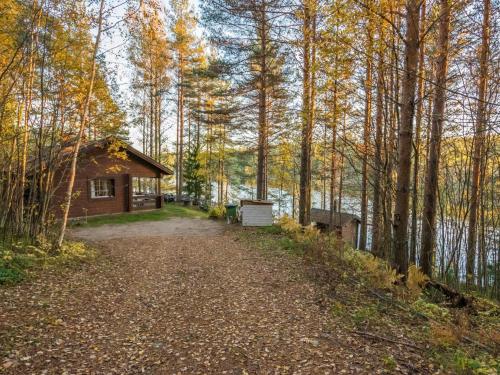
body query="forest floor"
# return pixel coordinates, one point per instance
(187, 301)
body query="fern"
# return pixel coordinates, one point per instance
(416, 280)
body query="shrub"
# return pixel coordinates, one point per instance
(13, 263)
(310, 234)
(289, 224)
(416, 281)
(217, 212)
(377, 271)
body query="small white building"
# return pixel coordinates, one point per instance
(256, 213)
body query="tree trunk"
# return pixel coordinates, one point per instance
(401, 212)
(431, 178)
(333, 151)
(262, 149)
(416, 146)
(366, 138)
(307, 126)
(27, 113)
(180, 109)
(478, 145)
(83, 123)
(378, 165)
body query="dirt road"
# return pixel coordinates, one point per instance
(185, 301)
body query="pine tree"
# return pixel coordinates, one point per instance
(192, 174)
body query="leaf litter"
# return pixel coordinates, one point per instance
(184, 305)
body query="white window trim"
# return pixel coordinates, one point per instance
(93, 188)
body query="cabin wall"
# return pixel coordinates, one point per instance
(95, 164)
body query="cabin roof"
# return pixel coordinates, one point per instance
(66, 151)
(88, 146)
(339, 218)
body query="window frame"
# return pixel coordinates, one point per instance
(142, 186)
(100, 198)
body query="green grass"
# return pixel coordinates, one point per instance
(168, 211)
(20, 259)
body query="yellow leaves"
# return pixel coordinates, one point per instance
(289, 224)
(309, 234)
(217, 212)
(377, 271)
(416, 280)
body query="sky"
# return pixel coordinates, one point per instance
(114, 50)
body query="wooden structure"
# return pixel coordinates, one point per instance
(111, 179)
(346, 225)
(256, 213)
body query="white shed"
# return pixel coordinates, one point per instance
(256, 213)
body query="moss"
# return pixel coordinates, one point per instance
(18, 260)
(430, 309)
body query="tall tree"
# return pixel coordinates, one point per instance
(409, 81)
(251, 46)
(418, 137)
(366, 131)
(151, 60)
(309, 9)
(377, 222)
(432, 174)
(184, 50)
(478, 144)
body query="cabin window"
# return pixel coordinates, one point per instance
(144, 186)
(102, 188)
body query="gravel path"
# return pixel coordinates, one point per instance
(171, 227)
(177, 304)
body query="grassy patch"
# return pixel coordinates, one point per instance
(168, 211)
(272, 240)
(19, 260)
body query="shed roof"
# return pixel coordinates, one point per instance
(339, 218)
(255, 202)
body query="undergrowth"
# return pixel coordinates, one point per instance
(217, 212)
(19, 260)
(367, 294)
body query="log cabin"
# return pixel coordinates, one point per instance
(112, 177)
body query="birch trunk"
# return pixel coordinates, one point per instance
(83, 123)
